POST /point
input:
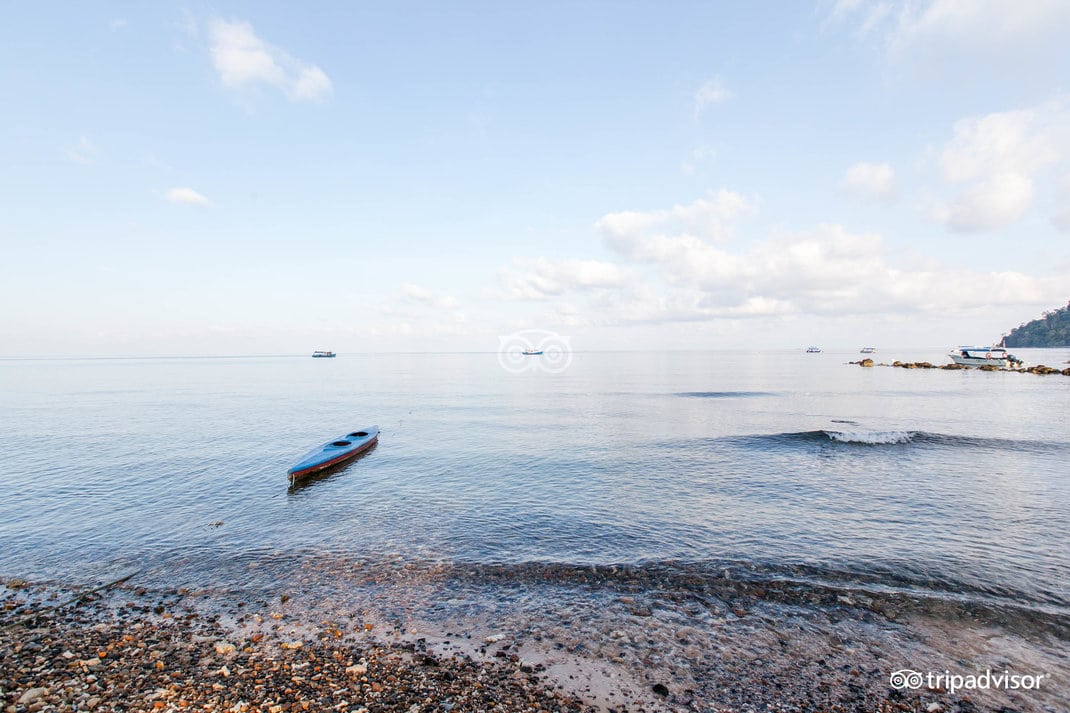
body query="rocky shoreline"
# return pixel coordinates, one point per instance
(157, 655)
(1038, 369)
(128, 649)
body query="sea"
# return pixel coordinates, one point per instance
(506, 485)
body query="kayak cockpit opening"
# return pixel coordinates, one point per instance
(358, 434)
(340, 444)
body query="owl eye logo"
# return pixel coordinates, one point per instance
(906, 678)
(534, 350)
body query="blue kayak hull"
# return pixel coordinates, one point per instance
(334, 452)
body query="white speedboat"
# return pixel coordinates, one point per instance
(813, 350)
(868, 350)
(983, 356)
(322, 355)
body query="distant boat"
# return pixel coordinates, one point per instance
(983, 356)
(868, 350)
(323, 355)
(813, 350)
(335, 452)
(532, 352)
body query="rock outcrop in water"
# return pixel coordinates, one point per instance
(1045, 370)
(914, 364)
(1039, 369)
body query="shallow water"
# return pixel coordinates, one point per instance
(784, 467)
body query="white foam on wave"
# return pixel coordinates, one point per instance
(872, 438)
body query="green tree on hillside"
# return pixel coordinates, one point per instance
(1051, 330)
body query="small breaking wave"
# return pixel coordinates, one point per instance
(724, 394)
(941, 440)
(857, 436)
(872, 438)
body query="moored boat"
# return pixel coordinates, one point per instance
(334, 452)
(983, 356)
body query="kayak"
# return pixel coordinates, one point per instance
(334, 452)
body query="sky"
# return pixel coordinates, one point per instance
(273, 178)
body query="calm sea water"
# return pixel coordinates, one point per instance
(780, 465)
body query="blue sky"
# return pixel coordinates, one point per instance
(261, 178)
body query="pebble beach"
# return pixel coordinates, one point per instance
(129, 649)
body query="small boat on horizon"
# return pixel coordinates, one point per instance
(323, 355)
(813, 350)
(868, 350)
(334, 452)
(531, 352)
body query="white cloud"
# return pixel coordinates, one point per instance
(828, 272)
(682, 265)
(843, 8)
(1000, 157)
(643, 234)
(913, 26)
(978, 23)
(647, 304)
(186, 196)
(421, 295)
(989, 204)
(118, 24)
(1012, 141)
(874, 181)
(541, 279)
(825, 271)
(866, 16)
(416, 310)
(712, 91)
(1061, 219)
(875, 16)
(244, 60)
(818, 268)
(85, 152)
